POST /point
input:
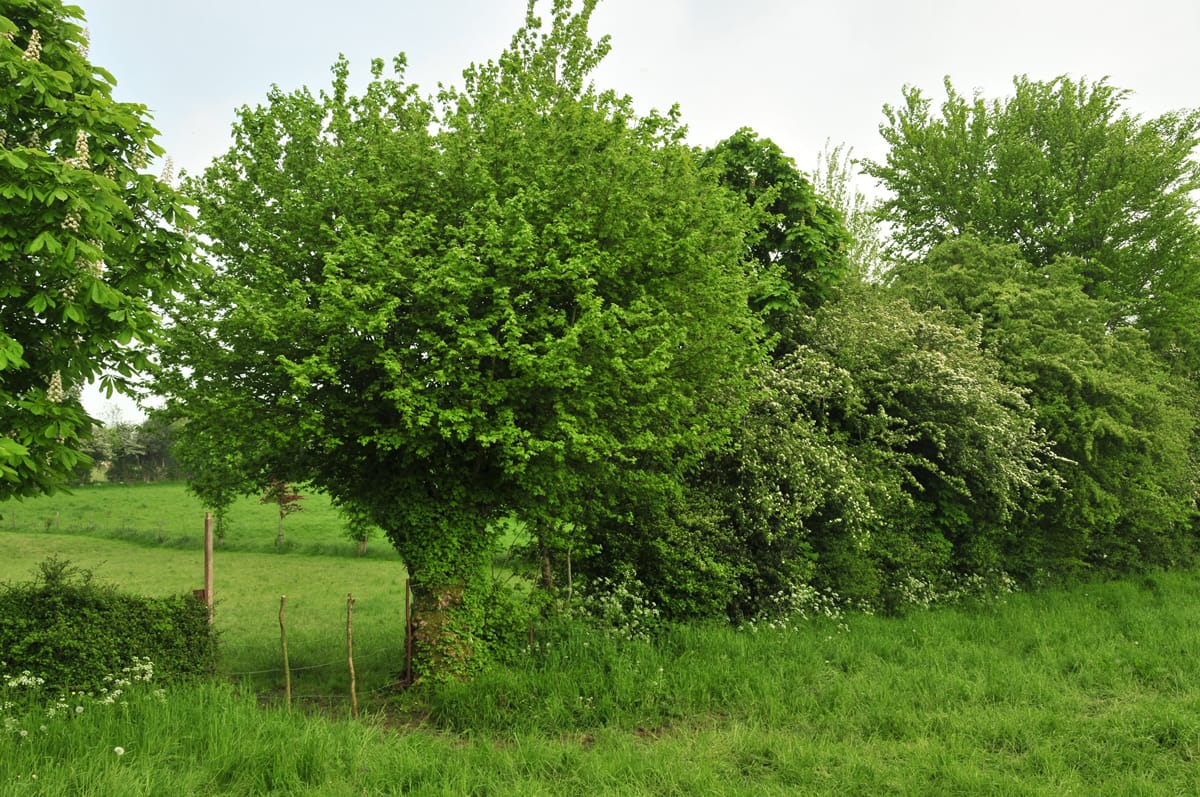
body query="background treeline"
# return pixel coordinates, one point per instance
(126, 452)
(1009, 390)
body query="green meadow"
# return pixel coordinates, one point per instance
(1088, 690)
(165, 513)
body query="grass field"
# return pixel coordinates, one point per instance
(166, 513)
(1087, 691)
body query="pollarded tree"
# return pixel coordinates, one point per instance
(1061, 170)
(524, 301)
(86, 243)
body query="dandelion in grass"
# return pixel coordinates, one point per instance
(120, 751)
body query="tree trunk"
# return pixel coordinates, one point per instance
(362, 547)
(442, 650)
(279, 533)
(547, 571)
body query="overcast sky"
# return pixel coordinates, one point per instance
(799, 72)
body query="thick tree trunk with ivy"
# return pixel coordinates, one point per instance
(441, 647)
(447, 623)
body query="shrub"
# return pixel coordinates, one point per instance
(63, 627)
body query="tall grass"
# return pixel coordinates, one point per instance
(1089, 690)
(1086, 691)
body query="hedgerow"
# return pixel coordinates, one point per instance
(66, 628)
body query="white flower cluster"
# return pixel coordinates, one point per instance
(799, 603)
(34, 51)
(82, 154)
(141, 670)
(54, 391)
(618, 606)
(95, 267)
(988, 587)
(26, 680)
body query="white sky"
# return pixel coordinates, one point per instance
(798, 72)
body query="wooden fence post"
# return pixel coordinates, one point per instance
(350, 653)
(408, 633)
(208, 564)
(287, 671)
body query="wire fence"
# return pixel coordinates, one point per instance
(348, 662)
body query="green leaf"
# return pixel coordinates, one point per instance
(38, 303)
(13, 159)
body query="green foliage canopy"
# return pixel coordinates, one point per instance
(523, 298)
(801, 242)
(86, 241)
(884, 452)
(1059, 169)
(1120, 422)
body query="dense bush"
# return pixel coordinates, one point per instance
(73, 632)
(885, 451)
(1120, 422)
